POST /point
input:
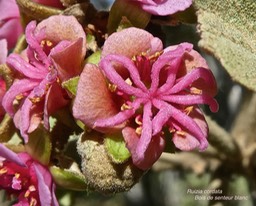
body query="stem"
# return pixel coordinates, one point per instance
(223, 141)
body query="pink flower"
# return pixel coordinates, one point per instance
(10, 26)
(163, 7)
(26, 179)
(3, 55)
(151, 94)
(56, 49)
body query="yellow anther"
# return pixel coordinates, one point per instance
(128, 81)
(19, 97)
(189, 109)
(32, 188)
(33, 202)
(42, 43)
(35, 100)
(48, 43)
(194, 90)
(112, 87)
(181, 133)
(138, 121)
(155, 55)
(27, 193)
(125, 107)
(17, 175)
(3, 171)
(138, 130)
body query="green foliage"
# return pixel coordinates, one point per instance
(39, 145)
(116, 148)
(68, 179)
(228, 31)
(71, 85)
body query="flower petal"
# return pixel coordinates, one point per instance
(94, 100)
(3, 51)
(199, 78)
(153, 152)
(60, 27)
(106, 64)
(134, 41)
(10, 155)
(16, 62)
(188, 141)
(166, 7)
(68, 61)
(18, 88)
(188, 99)
(43, 177)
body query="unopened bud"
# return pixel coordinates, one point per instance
(101, 173)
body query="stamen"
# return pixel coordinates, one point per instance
(181, 133)
(155, 55)
(194, 90)
(3, 171)
(125, 107)
(189, 109)
(33, 202)
(138, 130)
(112, 87)
(35, 100)
(138, 120)
(19, 97)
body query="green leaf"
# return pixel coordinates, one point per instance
(39, 145)
(94, 58)
(7, 128)
(123, 8)
(228, 31)
(68, 179)
(71, 85)
(115, 146)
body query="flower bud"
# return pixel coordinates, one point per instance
(101, 173)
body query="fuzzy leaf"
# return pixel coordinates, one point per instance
(94, 58)
(228, 31)
(68, 179)
(71, 85)
(116, 148)
(39, 145)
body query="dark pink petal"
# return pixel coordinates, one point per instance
(146, 134)
(34, 45)
(106, 65)
(171, 59)
(120, 117)
(186, 123)
(16, 62)
(18, 88)
(10, 155)
(188, 99)
(204, 75)
(93, 100)
(188, 141)
(166, 7)
(3, 51)
(43, 177)
(134, 41)
(11, 9)
(68, 61)
(152, 153)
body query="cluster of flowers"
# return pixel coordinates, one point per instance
(147, 93)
